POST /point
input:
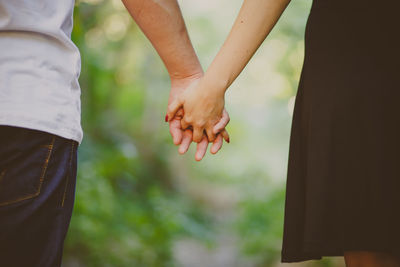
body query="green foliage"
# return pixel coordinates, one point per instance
(135, 199)
(260, 227)
(128, 211)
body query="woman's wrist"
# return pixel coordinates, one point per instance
(214, 84)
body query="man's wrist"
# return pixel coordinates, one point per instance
(187, 75)
(179, 82)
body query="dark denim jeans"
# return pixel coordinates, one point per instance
(37, 191)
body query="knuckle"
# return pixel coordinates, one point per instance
(198, 124)
(185, 121)
(198, 135)
(179, 113)
(170, 107)
(188, 118)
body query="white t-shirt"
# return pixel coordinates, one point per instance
(39, 67)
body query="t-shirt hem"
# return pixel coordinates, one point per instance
(62, 132)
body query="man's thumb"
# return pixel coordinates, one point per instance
(173, 109)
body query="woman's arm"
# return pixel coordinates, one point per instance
(255, 21)
(203, 104)
(163, 24)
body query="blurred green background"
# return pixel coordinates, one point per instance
(138, 202)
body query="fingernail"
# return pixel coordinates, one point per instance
(228, 140)
(197, 157)
(166, 118)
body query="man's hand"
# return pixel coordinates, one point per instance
(204, 109)
(163, 25)
(184, 137)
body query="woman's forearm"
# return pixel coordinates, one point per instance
(255, 21)
(162, 23)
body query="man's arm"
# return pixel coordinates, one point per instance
(162, 22)
(204, 103)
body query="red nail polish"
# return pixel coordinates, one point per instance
(228, 141)
(166, 118)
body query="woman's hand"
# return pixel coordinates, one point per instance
(203, 107)
(183, 137)
(203, 101)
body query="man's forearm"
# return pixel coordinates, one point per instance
(163, 24)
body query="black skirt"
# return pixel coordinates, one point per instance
(343, 184)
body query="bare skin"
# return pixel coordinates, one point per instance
(370, 259)
(203, 102)
(162, 23)
(183, 136)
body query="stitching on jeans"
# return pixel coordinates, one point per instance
(67, 179)
(41, 179)
(46, 146)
